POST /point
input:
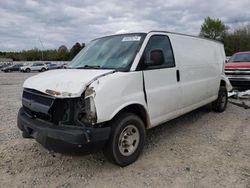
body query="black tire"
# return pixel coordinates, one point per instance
(120, 125)
(27, 70)
(43, 69)
(220, 104)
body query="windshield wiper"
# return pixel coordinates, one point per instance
(89, 67)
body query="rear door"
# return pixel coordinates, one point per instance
(162, 84)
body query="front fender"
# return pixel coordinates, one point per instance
(120, 108)
(116, 91)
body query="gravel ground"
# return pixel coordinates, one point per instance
(200, 149)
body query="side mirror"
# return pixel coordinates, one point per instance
(156, 58)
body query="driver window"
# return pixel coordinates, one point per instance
(159, 42)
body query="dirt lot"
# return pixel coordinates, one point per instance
(200, 149)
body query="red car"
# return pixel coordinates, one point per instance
(238, 70)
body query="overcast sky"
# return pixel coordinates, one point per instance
(57, 22)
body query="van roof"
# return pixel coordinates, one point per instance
(176, 33)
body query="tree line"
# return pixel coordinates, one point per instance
(234, 40)
(61, 54)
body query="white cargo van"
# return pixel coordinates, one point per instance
(119, 86)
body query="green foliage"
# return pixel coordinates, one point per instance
(238, 40)
(61, 54)
(74, 50)
(213, 29)
(234, 41)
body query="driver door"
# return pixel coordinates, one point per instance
(161, 81)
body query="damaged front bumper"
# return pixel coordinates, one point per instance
(63, 137)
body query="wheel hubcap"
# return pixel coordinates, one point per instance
(129, 140)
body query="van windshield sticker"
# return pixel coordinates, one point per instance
(131, 38)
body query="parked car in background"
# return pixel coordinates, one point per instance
(15, 67)
(238, 70)
(64, 66)
(52, 66)
(227, 58)
(3, 65)
(47, 63)
(41, 67)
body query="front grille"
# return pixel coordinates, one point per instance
(237, 71)
(28, 111)
(38, 97)
(39, 105)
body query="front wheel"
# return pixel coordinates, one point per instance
(27, 70)
(43, 69)
(220, 104)
(127, 139)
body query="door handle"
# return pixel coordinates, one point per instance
(177, 75)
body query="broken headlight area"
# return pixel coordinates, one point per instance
(77, 111)
(86, 111)
(70, 111)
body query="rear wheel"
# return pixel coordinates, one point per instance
(127, 139)
(27, 70)
(221, 103)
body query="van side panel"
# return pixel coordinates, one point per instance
(199, 65)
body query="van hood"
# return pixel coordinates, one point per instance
(65, 83)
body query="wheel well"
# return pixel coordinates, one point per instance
(137, 109)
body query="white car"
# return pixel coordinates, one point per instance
(41, 67)
(118, 87)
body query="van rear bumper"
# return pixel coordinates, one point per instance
(63, 137)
